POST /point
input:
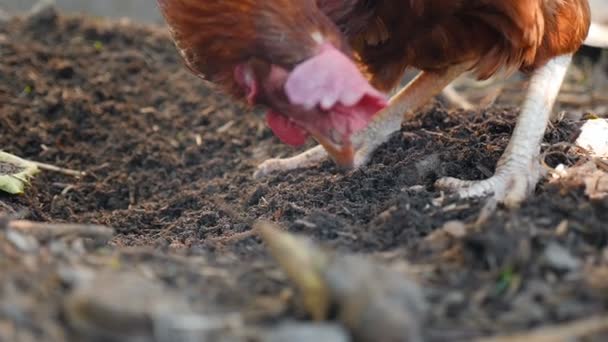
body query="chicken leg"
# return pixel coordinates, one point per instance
(455, 99)
(518, 170)
(385, 123)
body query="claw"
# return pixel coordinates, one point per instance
(510, 185)
(308, 158)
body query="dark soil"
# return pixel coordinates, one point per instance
(169, 165)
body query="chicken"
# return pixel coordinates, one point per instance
(444, 39)
(286, 55)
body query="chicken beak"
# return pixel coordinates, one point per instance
(343, 155)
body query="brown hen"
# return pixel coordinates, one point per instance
(445, 38)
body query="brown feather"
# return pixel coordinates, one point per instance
(213, 36)
(491, 35)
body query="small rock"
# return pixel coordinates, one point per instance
(428, 166)
(374, 302)
(195, 327)
(4, 17)
(257, 195)
(121, 306)
(524, 309)
(456, 229)
(24, 243)
(559, 258)
(416, 188)
(308, 332)
(62, 68)
(75, 276)
(597, 279)
(43, 13)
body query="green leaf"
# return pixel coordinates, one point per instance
(98, 45)
(505, 279)
(15, 173)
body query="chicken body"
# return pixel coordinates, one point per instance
(445, 39)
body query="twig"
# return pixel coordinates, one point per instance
(566, 332)
(441, 135)
(7, 207)
(574, 99)
(47, 231)
(549, 152)
(225, 127)
(235, 237)
(58, 169)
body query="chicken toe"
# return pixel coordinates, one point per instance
(305, 159)
(455, 99)
(518, 170)
(510, 185)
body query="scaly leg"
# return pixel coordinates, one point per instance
(518, 170)
(410, 98)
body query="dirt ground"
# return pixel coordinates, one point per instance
(169, 166)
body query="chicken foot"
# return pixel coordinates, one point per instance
(425, 86)
(308, 158)
(455, 99)
(519, 170)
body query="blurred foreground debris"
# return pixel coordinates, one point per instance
(372, 301)
(43, 12)
(592, 175)
(129, 307)
(302, 332)
(4, 16)
(573, 331)
(594, 137)
(51, 231)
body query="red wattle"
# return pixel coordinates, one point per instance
(287, 131)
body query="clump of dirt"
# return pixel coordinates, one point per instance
(169, 164)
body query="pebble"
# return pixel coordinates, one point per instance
(308, 332)
(559, 258)
(24, 243)
(43, 13)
